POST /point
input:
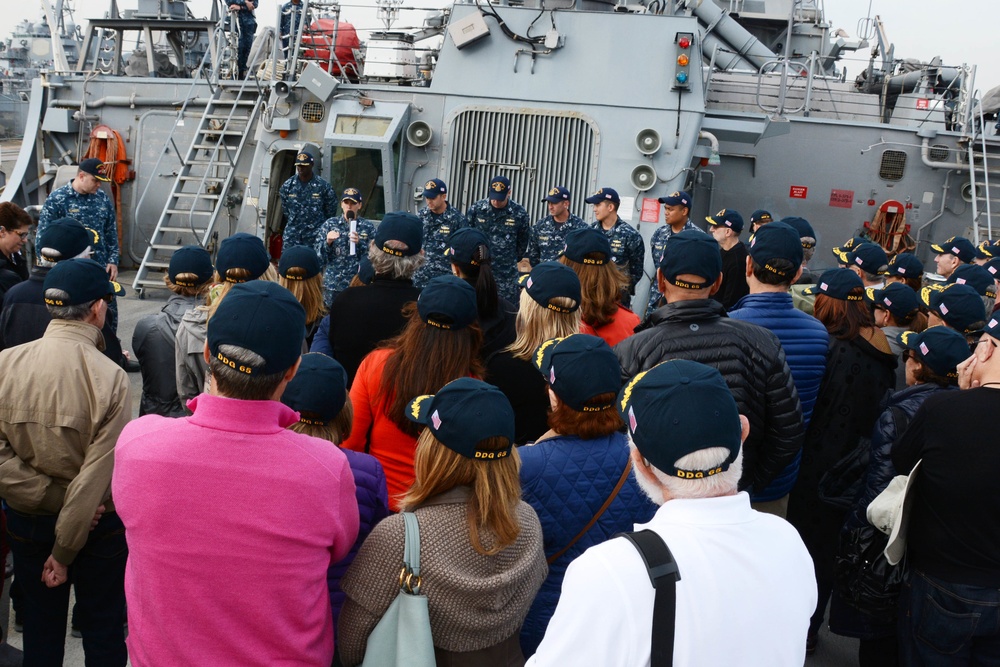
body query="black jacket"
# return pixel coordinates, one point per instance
(153, 344)
(525, 388)
(13, 270)
(753, 364)
(363, 317)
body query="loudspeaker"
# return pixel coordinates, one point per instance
(643, 177)
(419, 133)
(647, 141)
(281, 90)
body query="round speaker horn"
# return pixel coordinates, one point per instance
(647, 141)
(281, 90)
(643, 177)
(419, 133)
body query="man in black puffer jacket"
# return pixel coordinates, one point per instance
(693, 326)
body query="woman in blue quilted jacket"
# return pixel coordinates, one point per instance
(577, 476)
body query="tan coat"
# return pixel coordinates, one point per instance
(62, 406)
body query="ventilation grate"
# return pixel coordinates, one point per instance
(893, 165)
(313, 112)
(939, 153)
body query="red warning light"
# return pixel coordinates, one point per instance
(684, 42)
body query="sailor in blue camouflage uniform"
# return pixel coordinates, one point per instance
(440, 220)
(290, 24)
(548, 235)
(83, 200)
(333, 245)
(676, 218)
(505, 223)
(248, 26)
(628, 250)
(307, 201)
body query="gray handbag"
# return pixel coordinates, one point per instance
(402, 637)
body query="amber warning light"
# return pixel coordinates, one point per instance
(682, 61)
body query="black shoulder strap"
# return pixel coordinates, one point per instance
(664, 575)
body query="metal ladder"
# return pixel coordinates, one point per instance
(984, 174)
(201, 190)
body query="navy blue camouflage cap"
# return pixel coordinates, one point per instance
(604, 194)
(262, 317)
(194, 260)
(841, 251)
(805, 230)
(298, 263)
(499, 188)
(776, 240)
(869, 257)
(64, 238)
(242, 251)
(761, 217)
(905, 265)
(579, 368)
(977, 277)
(352, 194)
(959, 306)
(447, 302)
(318, 391)
(304, 158)
(403, 227)
(941, 349)
(679, 407)
(988, 248)
(462, 245)
(691, 252)
(678, 198)
(897, 298)
(95, 168)
(434, 188)
(83, 281)
(556, 195)
(587, 241)
(959, 246)
(552, 280)
(727, 217)
(838, 284)
(463, 414)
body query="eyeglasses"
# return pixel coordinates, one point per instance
(23, 235)
(983, 339)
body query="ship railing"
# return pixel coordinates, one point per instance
(289, 52)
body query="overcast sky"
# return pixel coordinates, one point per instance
(959, 32)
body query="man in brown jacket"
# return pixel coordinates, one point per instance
(62, 406)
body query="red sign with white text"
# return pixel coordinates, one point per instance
(842, 198)
(650, 210)
(923, 103)
(798, 192)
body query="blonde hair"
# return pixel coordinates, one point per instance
(601, 288)
(309, 292)
(496, 488)
(537, 324)
(234, 276)
(336, 431)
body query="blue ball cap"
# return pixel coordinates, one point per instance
(549, 281)
(992, 266)
(838, 284)
(988, 248)
(83, 280)
(761, 217)
(679, 407)
(959, 306)
(434, 188)
(897, 298)
(805, 230)
(977, 277)
(447, 302)
(366, 272)
(95, 168)
(604, 194)
(587, 241)
(318, 391)
(691, 252)
(298, 263)
(727, 217)
(304, 158)
(464, 413)
(352, 194)
(678, 198)
(499, 188)
(869, 257)
(191, 259)
(262, 317)
(777, 240)
(556, 195)
(403, 227)
(462, 245)
(958, 246)
(242, 251)
(905, 265)
(993, 326)
(66, 237)
(841, 251)
(940, 348)
(579, 368)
